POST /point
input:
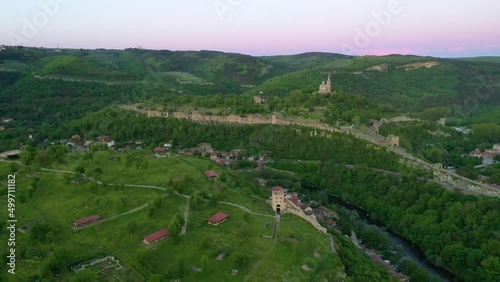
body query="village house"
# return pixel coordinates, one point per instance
(210, 174)
(2, 128)
(330, 223)
(217, 218)
(76, 137)
(159, 150)
(7, 120)
(168, 145)
(156, 236)
(86, 220)
(213, 156)
(10, 154)
(219, 161)
(104, 138)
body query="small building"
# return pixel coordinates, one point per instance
(104, 138)
(308, 210)
(441, 121)
(259, 99)
(10, 154)
(496, 147)
(155, 237)
(76, 137)
(476, 153)
(2, 128)
(393, 140)
(437, 166)
(217, 218)
(176, 179)
(86, 220)
(168, 145)
(219, 161)
(210, 174)
(159, 150)
(330, 223)
(7, 119)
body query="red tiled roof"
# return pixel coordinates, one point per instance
(157, 235)
(277, 188)
(210, 174)
(330, 222)
(87, 219)
(159, 150)
(218, 217)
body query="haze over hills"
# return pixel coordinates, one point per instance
(409, 83)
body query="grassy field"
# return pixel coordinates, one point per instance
(59, 201)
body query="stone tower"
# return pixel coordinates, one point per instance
(278, 200)
(326, 87)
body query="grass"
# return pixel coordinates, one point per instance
(59, 202)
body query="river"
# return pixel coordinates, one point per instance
(410, 252)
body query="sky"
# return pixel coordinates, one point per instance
(439, 28)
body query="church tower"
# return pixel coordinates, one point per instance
(326, 87)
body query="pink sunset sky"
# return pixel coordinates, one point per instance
(442, 28)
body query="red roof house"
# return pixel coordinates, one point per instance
(330, 222)
(159, 150)
(210, 174)
(155, 237)
(218, 218)
(86, 220)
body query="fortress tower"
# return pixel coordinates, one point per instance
(278, 200)
(326, 87)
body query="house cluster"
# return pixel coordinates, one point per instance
(80, 144)
(463, 130)
(488, 155)
(154, 237)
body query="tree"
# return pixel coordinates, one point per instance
(174, 228)
(419, 275)
(157, 202)
(28, 154)
(241, 260)
(204, 263)
(42, 158)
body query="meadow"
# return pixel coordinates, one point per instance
(297, 253)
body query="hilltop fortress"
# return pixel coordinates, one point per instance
(326, 87)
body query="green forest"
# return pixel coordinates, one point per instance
(456, 231)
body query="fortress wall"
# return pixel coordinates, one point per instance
(293, 209)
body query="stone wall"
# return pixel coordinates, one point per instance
(293, 209)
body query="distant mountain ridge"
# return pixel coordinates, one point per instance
(409, 83)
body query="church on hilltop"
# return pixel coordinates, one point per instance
(326, 87)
